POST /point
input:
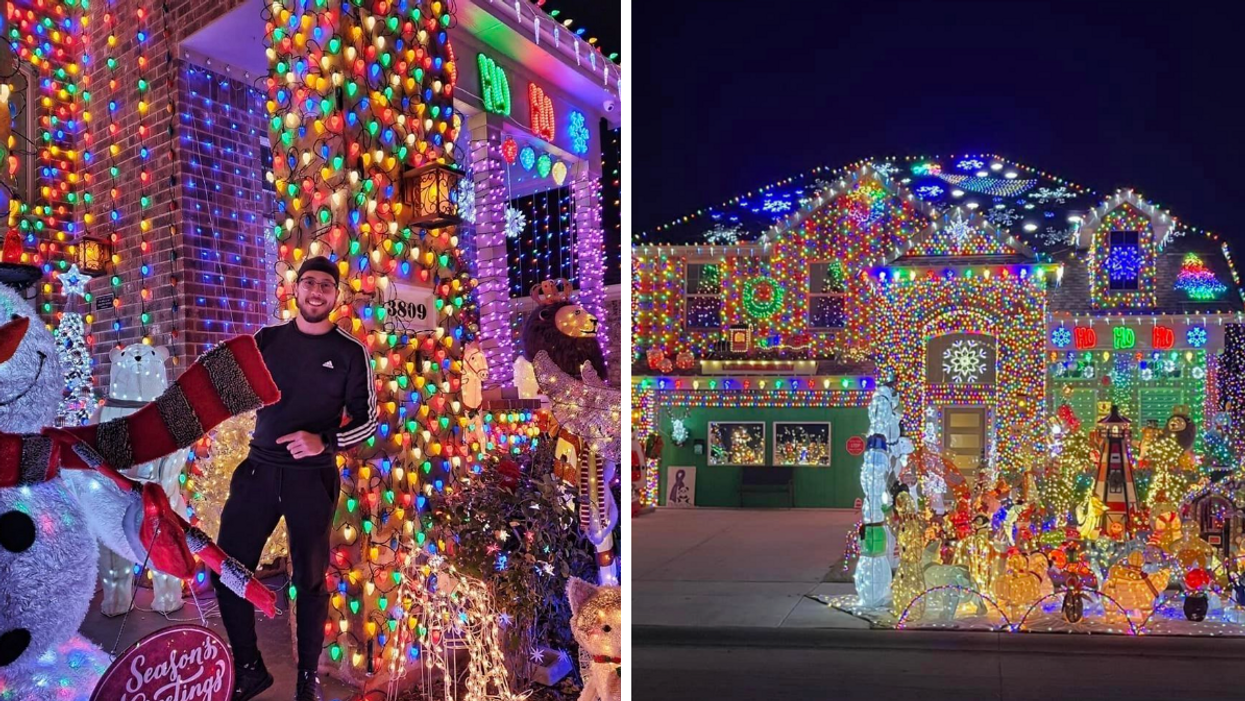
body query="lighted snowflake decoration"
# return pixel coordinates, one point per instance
(723, 235)
(1196, 336)
(1046, 195)
(467, 200)
(1061, 337)
(884, 169)
(73, 282)
(1002, 218)
(959, 230)
(678, 431)
(579, 133)
(776, 206)
(926, 192)
(965, 361)
(970, 164)
(516, 222)
(1056, 237)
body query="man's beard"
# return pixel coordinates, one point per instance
(312, 318)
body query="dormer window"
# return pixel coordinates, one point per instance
(1124, 260)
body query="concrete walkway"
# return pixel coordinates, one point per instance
(737, 567)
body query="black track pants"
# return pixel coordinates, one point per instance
(259, 495)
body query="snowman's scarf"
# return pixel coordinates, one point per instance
(228, 380)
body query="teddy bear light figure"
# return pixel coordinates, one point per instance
(138, 376)
(60, 491)
(596, 623)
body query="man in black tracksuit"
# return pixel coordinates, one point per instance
(291, 471)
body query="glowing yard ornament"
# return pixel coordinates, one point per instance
(1113, 483)
(886, 452)
(73, 282)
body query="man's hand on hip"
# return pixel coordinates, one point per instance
(302, 444)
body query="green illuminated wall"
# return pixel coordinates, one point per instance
(835, 486)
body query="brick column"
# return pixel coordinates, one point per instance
(493, 292)
(589, 238)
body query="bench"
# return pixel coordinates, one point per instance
(758, 479)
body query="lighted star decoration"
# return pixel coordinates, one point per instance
(964, 361)
(588, 408)
(73, 282)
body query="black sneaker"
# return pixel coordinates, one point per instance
(308, 687)
(250, 680)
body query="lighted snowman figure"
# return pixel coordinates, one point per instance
(47, 543)
(51, 515)
(138, 376)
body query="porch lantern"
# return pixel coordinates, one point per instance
(430, 196)
(94, 255)
(740, 338)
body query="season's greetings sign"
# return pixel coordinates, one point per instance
(181, 663)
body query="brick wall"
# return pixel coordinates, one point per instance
(226, 205)
(167, 251)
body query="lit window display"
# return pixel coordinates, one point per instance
(736, 443)
(802, 444)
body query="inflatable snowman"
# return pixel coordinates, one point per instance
(61, 490)
(137, 377)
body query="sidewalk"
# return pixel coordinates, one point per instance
(714, 568)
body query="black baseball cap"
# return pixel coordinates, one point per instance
(319, 264)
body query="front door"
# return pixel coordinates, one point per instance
(964, 438)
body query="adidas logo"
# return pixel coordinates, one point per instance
(327, 364)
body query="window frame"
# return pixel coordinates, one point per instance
(829, 443)
(709, 444)
(689, 296)
(1124, 286)
(813, 295)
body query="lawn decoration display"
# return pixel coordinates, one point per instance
(61, 489)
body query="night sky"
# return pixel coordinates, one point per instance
(729, 96)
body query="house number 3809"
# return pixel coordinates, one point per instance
(406, 310)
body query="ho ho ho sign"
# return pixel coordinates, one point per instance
(407, 307)
(179, 663)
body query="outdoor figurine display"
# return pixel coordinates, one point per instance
(909, 578)
(596, 623)
(1133, 588)
(560, 341)
(1017, 587)
(885, 454)
(60, 490)
(137, 376)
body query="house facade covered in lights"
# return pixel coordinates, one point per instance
(987, 292)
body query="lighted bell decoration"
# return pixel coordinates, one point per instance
(12, 247)
(431, 194)
(93, 255)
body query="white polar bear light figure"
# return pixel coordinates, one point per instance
(137, 376)
(885, 456)
(47, 542)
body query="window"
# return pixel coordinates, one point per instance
(1123, 260)
(801, 444)
(961, 359)
(703, 296)
(736, 443)
(827, 295)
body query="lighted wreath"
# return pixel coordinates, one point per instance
(762, 297)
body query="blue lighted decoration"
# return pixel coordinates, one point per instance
(1124, 263)
(579, 133)
(1061, 337)
(1196, 336)
(527, 157)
